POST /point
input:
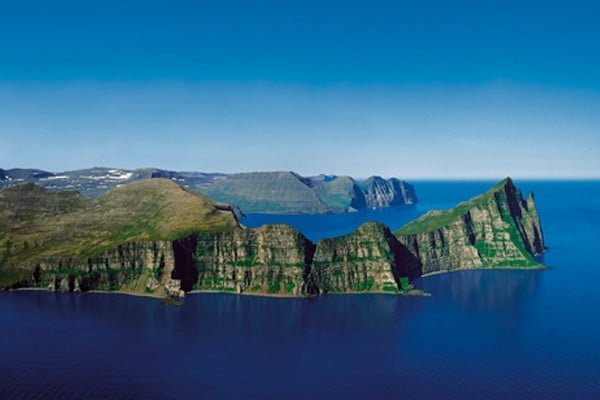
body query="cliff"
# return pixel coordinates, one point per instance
(136, 267)
(288, 192)
(272, 259)
(382, 193)
(368, 260)
(498, 229)
(272, 192)
(154, 237)
(48, 237)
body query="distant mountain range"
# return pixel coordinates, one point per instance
(253, 192)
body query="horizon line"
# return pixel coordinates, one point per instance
(405, 178)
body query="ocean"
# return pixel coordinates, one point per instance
(481, 334)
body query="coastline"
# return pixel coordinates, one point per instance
(410, 293)
(125, 293)
(447, 271)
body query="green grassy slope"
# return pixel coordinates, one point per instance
(498, 229)
(273, 191)
(65, 224)
(436, 219)
(336, 193)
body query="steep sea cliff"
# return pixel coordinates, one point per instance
(498, 229)
(494, 230)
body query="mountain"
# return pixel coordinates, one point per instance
(496, 229)
(273, 192)
(22, 175)
(288, 192)
(92, 182)
(63, 231)
(156, 237)
(381, 193)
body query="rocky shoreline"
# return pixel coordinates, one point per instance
(498, 229)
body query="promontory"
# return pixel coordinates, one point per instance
(158, 238)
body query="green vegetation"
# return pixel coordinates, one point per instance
(66, 224)
(440, 218)
(405, 284)
(39, 224)
(389, 287)
(337, 193)
(364, 286)
(128, 240)
(266, 191)
(288, 192)
(289, 287)
(9, 277)
(494, 230)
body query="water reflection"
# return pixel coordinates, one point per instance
(225, 314)
(484, 290)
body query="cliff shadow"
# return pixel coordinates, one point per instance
(406, 264)
(185, 263)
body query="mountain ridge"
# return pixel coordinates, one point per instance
(260, 192)
(157, 238)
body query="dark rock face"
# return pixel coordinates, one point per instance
(499, 229)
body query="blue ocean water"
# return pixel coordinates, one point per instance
(481, 335)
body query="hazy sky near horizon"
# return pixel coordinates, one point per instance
(437, 89)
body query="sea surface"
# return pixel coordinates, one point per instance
(481, 335)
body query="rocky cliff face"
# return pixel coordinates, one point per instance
(368, 260)
(498, 229)
(381, 193)
(137, 267)
(278, 260)
(272, 259)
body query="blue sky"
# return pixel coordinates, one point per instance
(435, 89)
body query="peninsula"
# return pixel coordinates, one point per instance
(158, 238)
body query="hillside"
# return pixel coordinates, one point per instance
(288, 192)
(275, 192)
(66, 223)
(493, 230)
(46, 231)
(156, 237)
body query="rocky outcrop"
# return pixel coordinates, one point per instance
(141, 267)
(498, 229)
(368, 260)
(382, 193)
(272, 259)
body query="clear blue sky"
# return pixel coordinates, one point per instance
(412, 89)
